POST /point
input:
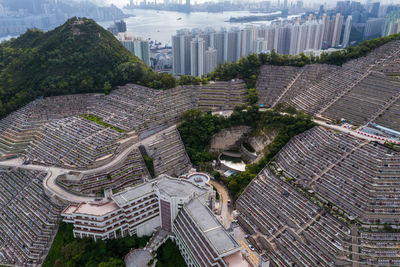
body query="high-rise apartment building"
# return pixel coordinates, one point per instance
(197, 49)
(282, 43)
(394, 27)
(305, 36)
(136, 45)
(347, 31)
(337, 30)
(332, 30)
(392, 23)
(259, 45)
(373, 28)
(210, 60)
(247, 36)
(219, 45)
(302, 40)
(374, 9)
(328, 31)
(181, 52)
(230, 45)
(117, 27)
(272, 37)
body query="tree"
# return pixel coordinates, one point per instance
(112, 262)
(107, 88)
(169, 255)
(167, 80)
(69, 251)
(252, 97)
(197, 129)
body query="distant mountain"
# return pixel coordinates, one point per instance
(77, 57)
(63, 7)
(16, 16)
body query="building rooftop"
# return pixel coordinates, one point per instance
(70, 209)
(211, 227)
(132, 193)
(166, 185)
(92, 208)
(178, 187)
(237, 260)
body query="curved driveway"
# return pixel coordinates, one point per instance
(50, 183)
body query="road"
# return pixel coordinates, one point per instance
(50, 181)
(53, 172)
(225, 210)
(346, 130)
(335, 127)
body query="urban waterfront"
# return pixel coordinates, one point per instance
(161, 25)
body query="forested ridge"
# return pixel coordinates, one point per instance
(77, 57)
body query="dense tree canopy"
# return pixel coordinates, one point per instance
(69, 251)
(77, 57)
(287, 126)
(198, 128)
(168, 255)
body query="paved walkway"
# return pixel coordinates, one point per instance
(53, 172)
(346, 130)
(354, 238)
(225, 210)
(50, 182)
(252, 256)
(138, 258)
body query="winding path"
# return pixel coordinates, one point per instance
(50, 184)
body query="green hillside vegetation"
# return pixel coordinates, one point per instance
(77, 57)
(69, 251)
(197, 129)
(169, 255)
(98, 120)
(149, 161)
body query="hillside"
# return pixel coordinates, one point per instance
(77, 57)
(248, 68)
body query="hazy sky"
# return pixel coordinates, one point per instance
(121, 3)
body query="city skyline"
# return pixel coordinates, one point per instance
(189, 46)
(121, 3)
